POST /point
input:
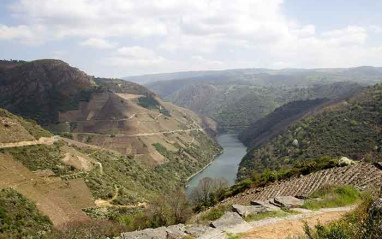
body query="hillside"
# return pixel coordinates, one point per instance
(236, 106)
(40, 89)
(66, 178)
(276, 122)
(15, 129)
(120, 145)
(111, 113)
(350, 128)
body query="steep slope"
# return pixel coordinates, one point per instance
(15, 129)
(66, 178)
(276, 122)
(236, 106)
(152, 146)
(350, 128)
(362, 176)
(111, 113)
(31, 225)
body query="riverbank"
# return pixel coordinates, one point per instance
(223, 165)
(200, 171)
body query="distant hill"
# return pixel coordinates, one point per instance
(236, 98)
(350, 128)
(236, 106)
(261, 76)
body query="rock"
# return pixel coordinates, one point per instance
(214, 234)
(374, 220)
(248, 210)
(376, 209)
(287, 202)
(158, 233)
(231, 222)
(198, 230)
(344, 161)
(176, 231)
(269, 207)
(295, 142)
(378, 165)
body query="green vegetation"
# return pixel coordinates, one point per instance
(269, 176)
(329, 133)
(19, 217)
(40, 157)
(148, 102)
(213, 214)
(237, 236)
(360, 223)
(237, 105)
(162, 211)
(332, 196)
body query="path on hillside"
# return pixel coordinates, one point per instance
(150, 134)
(281, 228)
(42, 140)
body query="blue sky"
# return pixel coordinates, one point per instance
(117, 38)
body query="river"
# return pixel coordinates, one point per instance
(226, 164)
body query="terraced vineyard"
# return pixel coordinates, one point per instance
(361, 176)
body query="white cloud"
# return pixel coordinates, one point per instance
(98, 43)
(189, 33)
(135, 56)
(375, 29)
(136, 52)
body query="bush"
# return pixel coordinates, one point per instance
(19, 217)
(356, 224)
(331, 196)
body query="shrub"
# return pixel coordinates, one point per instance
(331, 196)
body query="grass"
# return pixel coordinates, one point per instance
(235, 236)
(356, 224)
(272, 214)
(215, 213)
(19, 217)
(333, 196)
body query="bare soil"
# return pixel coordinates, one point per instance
(294, 225)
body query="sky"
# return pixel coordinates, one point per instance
(116, 38)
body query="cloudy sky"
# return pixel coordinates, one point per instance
(118, 38)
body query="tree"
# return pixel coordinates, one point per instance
(208, 191)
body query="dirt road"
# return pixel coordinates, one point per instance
(282, 228)
(42, 140)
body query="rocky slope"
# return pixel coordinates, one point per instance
(349, 128)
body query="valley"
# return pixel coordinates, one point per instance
(113, 151)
